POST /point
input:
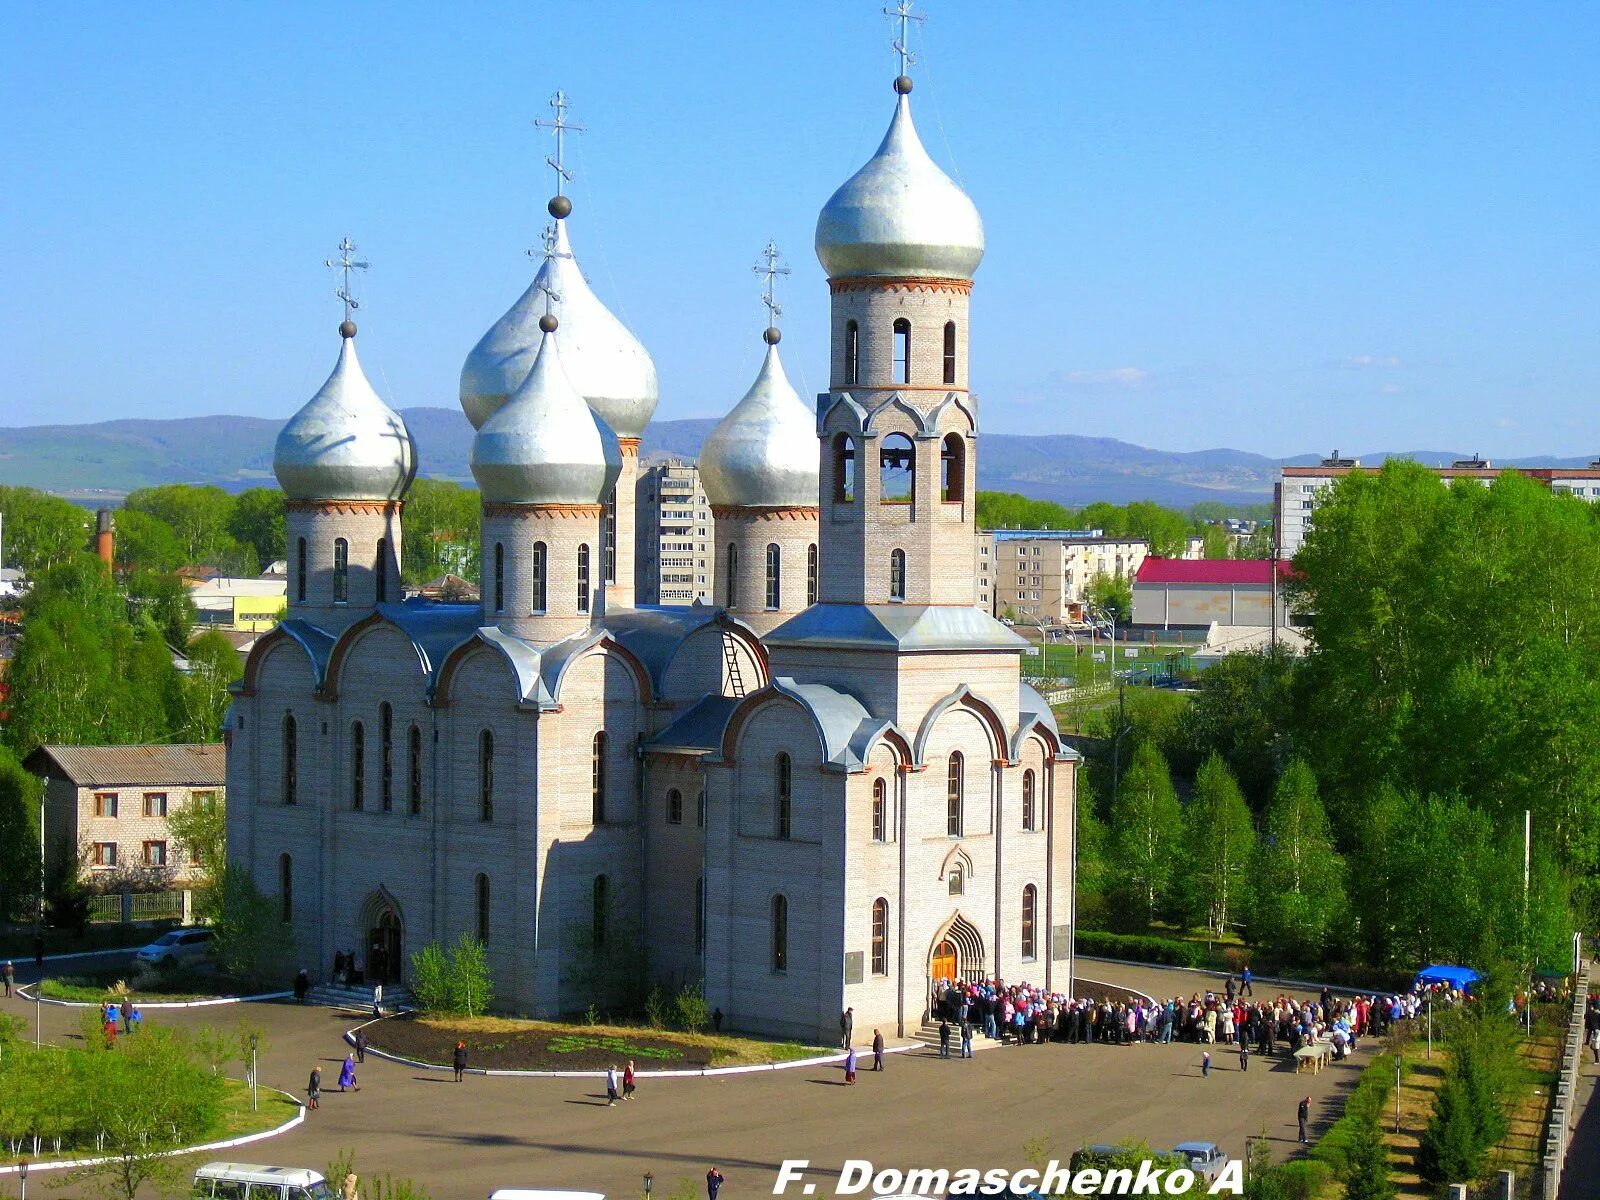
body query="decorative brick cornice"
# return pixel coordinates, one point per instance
(872, 283)
(798, 512)
(527, 512)
(629, 447)
(346, 508)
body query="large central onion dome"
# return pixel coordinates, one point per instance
(346, 443)
(606, 363)
(763, 454)
(900, 215)
(544, 445)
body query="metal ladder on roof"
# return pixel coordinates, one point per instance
(730, 658)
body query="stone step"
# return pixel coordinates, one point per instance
(356, 996)
(928, 1034)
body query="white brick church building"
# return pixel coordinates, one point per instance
(826, 791)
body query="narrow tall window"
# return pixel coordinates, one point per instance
(880, 811)
(499, 577)
(783, 769)
(732, 589)
(700, 810)
(949, 351)
(601, 906)
(597, 777)
(774, 566)
(780, 933)
(609, 549)
(414, 785)
(902, 350)
(481, 890)
(674, 807)
(955, 789)
(852, 353)
(285, 888)
(380, 572)
(341, 571)
(1029, 816)
(811, 574)
(897, 470)
(880, 936)
(897, 574)
(537, 577)
(700, 915)
(486, 776)
(358, 765)
(300, 570)
(583, 578)
(386, 756)
(953, 468)
(844, 468)
(1029, 899)
(291, 760)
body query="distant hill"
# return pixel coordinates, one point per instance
(114, 457)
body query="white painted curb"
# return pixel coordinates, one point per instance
(75, 1163)
(1302, 985)
(32, 999)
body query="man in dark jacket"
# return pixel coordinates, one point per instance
(944, 1037)
(1305, 1116)
(847, 1024)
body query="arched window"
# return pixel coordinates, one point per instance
(852, 353)
(955, 790)
(499, 577)
(609, 549)
(1030, 898)
(386, 756)
(285, 889)
(958, 881)
(481, 888)
(537, 567)
(602, 905)
(880, 936)
(597, 777)
(902, 350)
(358, 766)
(674, 807)
(341, 571)
(414, 782)
(897, 470)
(700, 915)
(780, 933)
(291, 760)
(953, 468)
(485, 776)
(880, 811)
(783, 771)
(811, 574)
(774, 580)
(1029, 815)
(732, 590)
(583, 578)
(380, 572)
(844, 468)
(897, 574)
(949, 351)
(300, 570)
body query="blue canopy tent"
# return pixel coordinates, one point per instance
(1457, 977)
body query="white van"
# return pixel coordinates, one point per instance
(247, 1181)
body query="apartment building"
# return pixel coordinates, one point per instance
(1043, 575)
(675, 563)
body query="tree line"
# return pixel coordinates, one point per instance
(1166, 529)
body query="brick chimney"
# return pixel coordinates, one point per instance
(104, 536)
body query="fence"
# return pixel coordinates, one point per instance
(126, 907)
(1561, 1119)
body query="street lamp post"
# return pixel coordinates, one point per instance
(649, 1184)
(38, 984)
(22, 1176)
(255, 1040)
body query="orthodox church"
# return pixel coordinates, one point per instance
(826, 791)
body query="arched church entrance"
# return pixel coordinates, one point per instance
(385, 938)
(955, 956)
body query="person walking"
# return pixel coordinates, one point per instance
(360, 1041)
(109, 1029)
(611, 1086)
(377, 999)
(716, 1020)
(1594, 1043)
(1305, 1116)
(847, 1024)
(1244, 1055)
(944, 1038)
(966, 1039)
(1245, 979)
(458, 1060)
(314, 1088)
(347, 1075)
(629, 1081)
(877, 1050)
(713, 1183)
(302, 985)
(10, 974)
(850, 1065)
(1205, 1064)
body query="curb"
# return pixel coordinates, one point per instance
(74, 1163)
(1116, 987)
(692, 1073)
(32, 999)
(1277, 981)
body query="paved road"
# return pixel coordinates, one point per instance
(1580, 1176)
(462, 1140)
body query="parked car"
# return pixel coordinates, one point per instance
(247, 1181)
(179, 947)
(1205, 1159)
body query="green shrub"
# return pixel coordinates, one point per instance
(454, 982)
(1340, 1148)
(1142, 948)
(655, 1008)
(694, 1014)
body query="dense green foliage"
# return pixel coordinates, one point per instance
(1353, 1146)
(1300, 890)
(453, 980)
(1166, 529)
(1146, 837)
(1141, 948)
(442, 531)
(41, 530)
(1469, 1114)
(1218, 849)
(252, 939)
(19, 838)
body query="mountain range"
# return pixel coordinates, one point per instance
(108, 459)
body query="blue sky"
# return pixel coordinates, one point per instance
(1279, 226)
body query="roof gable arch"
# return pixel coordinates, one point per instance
(348, 640)
(521, 660)
(963, 697)
(554, 664)
(843, 726)
(897, 402)
(961, 404)
(316, 643)
(852, 416)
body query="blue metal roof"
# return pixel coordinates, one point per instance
(895, 627)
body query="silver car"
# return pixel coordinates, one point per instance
(179, 947)
(1205, 1159)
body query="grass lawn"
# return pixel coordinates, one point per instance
(502, 1043)
(95, 986)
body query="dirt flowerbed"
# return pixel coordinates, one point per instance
(504, 1044)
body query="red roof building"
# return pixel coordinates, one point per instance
(1182, 593)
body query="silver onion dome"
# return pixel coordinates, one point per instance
(346, 443)
(900, 215)
(606, 363)
(763, 454)
(545, 445)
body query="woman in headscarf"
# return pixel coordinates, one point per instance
(347, 1075)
